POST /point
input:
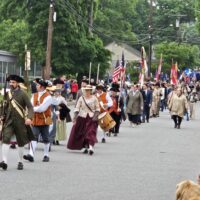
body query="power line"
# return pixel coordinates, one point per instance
(94, 28)
(142, 41)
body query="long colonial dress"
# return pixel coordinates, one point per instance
(61, 128)
(84, 131)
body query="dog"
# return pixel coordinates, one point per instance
(187, 190)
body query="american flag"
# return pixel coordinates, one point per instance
(119, 71)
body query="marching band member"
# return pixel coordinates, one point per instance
(116, 109)
(84, 131)
(105, 103)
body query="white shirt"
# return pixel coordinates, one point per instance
(108, 99)
(44, 105)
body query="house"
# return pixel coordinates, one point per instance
(130, 54)
(8, 63)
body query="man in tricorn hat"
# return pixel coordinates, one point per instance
(116, 110)
(105, 102)
(42, 111)
(19, 112)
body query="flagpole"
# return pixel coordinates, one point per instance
(97, 81)
(90, 72)
(159, 68)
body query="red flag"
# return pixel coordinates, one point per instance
(174, 74)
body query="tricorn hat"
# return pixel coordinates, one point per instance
(115, 87)
(15, 78)
(42, 83)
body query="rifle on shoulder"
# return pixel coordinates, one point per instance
(3, 103)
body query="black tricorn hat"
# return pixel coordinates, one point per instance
(115, 87)
(16, 78)
(42, 83)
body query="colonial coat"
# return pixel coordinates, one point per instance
(178, 105)
(134, 103)
(14, 124)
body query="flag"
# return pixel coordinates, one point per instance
(159, 69)
(144, 68)
(174, 74)
(119, 71)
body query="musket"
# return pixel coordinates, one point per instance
(4, 101)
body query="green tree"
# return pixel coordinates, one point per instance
(73, 48)
(185, 55)
(14, 36)
(113, 20)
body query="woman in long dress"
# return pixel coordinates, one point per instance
(85, 122)
(61, 132)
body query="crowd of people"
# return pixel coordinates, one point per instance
(43, 117)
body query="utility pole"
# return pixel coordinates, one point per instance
(150, 36)
(90, 19)
(47, 68)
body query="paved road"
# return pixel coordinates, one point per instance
(143, 163)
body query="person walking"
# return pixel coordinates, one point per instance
(105, 102)
(134, 103)
(74, 89)
(117, 109)
(85, 122)
(19, 114)
(177, 107)
(61, 112)
(84, 82)
(147, 99)
(192, 99)
(41, 101)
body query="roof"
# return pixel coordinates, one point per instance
(130, 53)
(6, 56)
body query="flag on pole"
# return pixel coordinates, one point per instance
(159, 69)
(174, 73)
(144, 67)
(119, 71)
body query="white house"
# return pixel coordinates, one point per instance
(130, 54)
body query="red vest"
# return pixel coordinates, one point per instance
(38, 118)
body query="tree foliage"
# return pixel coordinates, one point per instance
(73, 48)
(127, 21)
(185, 55)
(113, 20)
(14, 36)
